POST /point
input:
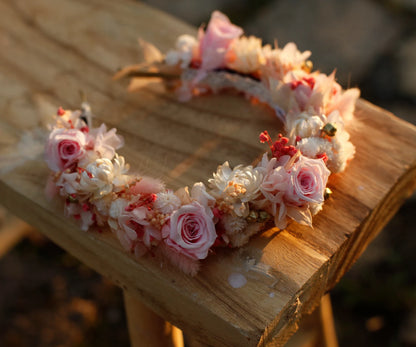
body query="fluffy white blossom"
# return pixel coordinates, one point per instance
(167, 202)
(68, 183)
(304, 124)
(184, 52)
(233, 224)
(313, 146)
(339, 150)
(236, 187)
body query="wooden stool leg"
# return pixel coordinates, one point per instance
(147, 329)
(329, 335)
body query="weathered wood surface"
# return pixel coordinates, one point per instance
(51, 49)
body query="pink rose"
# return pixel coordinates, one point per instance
(136, 232)
(64, 148)
(308, 179)
(216, 40)
(192, 231)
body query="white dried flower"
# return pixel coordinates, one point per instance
(68, 183)
(313, 146)
(117, 207)
(97, 178)
(167, 202)
(101, 176)
(304, 124)
(103, 205)
(281, 61)
(236, 187)
(184, 52)
(339, 150)
(291, 56)
(343, 150)
(69, 119)
(121, 180)
(245, 54)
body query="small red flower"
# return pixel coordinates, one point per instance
(280, 148)
(60, 111)
(322, 156)
(265, 137)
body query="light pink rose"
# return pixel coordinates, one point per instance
(136, 230)
(192, 231)
(64, 148)
(216, 40)
(308, 179)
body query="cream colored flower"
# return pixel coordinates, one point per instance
(199, 194)
(186, 46)
(304, 124)
(280, 61)
(69, 119)
(116, 209)
(121, 179)
(291, 56)
(245, 55)
(339, 150)
(313, 146)
(236, 187)
(103, 176)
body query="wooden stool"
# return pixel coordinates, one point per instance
(52, 48)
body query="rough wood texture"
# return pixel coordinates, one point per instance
(51, 49)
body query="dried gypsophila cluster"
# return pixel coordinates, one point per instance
(186, 225)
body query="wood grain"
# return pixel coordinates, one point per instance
(50, 49)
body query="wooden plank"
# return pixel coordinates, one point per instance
(51, 49)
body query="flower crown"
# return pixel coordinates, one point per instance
(186, 225)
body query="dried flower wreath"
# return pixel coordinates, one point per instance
(183, 226)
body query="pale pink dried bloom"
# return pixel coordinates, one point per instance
(106, 142)
(147, 185)
(134, 228)
(215, 41)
